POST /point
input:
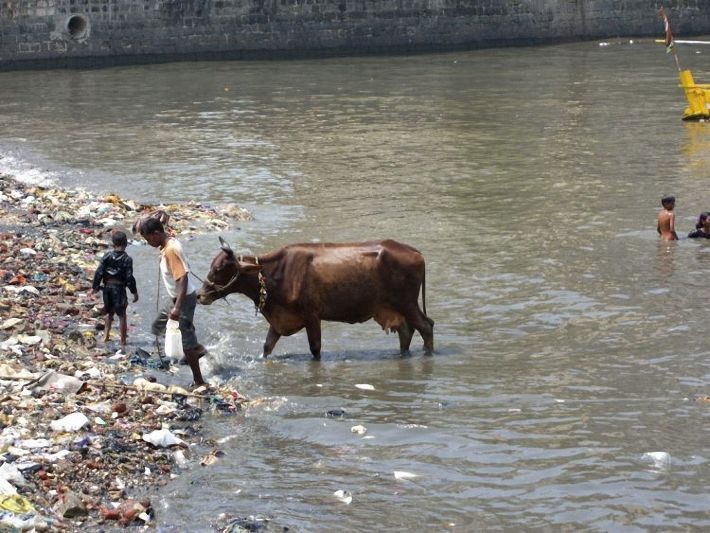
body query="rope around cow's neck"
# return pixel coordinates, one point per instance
(263, 293)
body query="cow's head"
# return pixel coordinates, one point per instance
(225, 275)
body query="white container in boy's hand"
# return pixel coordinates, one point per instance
(173, 340)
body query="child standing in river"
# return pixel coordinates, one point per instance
(666, 219)
(702, 228)
(115, 273)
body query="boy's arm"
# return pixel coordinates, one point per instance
(130, 280)
(98, 276)
(671, 221)
(178, 270)
(181, 292)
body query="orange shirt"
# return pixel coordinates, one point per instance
(173, 266)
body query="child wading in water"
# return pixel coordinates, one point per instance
(174, 270)
(666, 219)
(115, 271)
(702, 228)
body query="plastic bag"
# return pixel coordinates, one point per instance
(55, 382)
(16, 504)
(70, 423)
(173, 340)
(162, 438)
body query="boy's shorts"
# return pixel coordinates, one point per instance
(187, 315)
(115, 299)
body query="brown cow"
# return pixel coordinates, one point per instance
(299, 285)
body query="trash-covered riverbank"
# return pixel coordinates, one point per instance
(84, 431)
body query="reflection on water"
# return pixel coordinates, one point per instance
(697, 147)
(666, 250)
(565, 331)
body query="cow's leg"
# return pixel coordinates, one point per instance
(405, 332)
(313, 331)
(424, 325)
(271, 339)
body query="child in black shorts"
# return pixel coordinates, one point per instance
(115, 271)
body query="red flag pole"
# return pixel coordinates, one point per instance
(670, 44)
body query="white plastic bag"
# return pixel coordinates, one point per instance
(173, 340)
(162, 438)
(70, 423)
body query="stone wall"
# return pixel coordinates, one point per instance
(66, 32)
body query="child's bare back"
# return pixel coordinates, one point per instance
(666, 219)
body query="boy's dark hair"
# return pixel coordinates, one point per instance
(119, 239)
(667, 200)
(152, 225)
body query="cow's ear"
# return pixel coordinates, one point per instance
(225, 247)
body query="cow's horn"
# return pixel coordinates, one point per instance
(225, 246)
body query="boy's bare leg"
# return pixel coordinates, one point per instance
(107, 332)
(123, 324)
(194, 361)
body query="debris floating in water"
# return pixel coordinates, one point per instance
(402, 475)
(657, 459)
(364, 386)
(336, 413)
(211, 458)
(344, 496)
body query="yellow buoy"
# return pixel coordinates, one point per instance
(698, 96)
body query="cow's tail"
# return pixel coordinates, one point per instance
(424, 291)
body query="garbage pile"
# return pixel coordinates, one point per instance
(80, 436)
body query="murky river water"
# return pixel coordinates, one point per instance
(569, 340)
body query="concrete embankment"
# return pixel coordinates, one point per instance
(101, 32)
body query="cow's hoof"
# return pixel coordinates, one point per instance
(316, 357)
